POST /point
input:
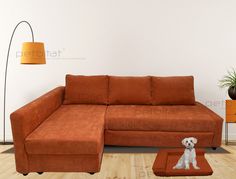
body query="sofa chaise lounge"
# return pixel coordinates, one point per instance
(66, 129)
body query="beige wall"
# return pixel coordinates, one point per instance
(120, 37)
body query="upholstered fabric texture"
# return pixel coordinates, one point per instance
(66, 129)
(156, 138)
(65, 163)
(129, 90)
(218, 125)
(26, 119)
(173, 90)
(86, 89)
(72, 129)
(180, 118)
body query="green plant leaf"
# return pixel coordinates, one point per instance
(228, 80)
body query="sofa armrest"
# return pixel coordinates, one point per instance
(28, 118)
(216, 142)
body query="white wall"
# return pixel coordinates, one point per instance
(125, 37)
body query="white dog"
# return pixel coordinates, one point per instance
(189, 155)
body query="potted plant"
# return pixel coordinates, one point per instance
(229, 81)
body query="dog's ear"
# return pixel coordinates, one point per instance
(194, 140)
(183, 141)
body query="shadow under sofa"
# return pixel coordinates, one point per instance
(66, 129)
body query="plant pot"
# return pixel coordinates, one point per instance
(232, 92)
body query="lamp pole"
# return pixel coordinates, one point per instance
(5, 81)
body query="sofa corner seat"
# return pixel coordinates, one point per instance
(52, 137)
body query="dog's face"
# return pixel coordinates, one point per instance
(189, 142)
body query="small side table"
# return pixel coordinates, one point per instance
(230, 116)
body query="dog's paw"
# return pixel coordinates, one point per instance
(177, 167)
(196, 168)
(186, 168)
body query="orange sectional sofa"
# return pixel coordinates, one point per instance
(66, 129)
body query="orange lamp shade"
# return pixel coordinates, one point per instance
(33, 53)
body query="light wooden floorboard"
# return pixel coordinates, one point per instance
(126, 166)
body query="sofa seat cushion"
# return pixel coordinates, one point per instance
(72, 129)
(179, 118)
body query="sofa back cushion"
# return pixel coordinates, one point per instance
(86, 89)
(129, 90)
(173, 90)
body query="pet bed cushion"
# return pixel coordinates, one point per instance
(166, 159)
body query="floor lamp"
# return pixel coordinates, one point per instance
(32, 53)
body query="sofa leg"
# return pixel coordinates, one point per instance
(91, 173)
(25, 174)
(214, 148)
(40, 173)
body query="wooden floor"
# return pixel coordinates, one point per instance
(126, 166)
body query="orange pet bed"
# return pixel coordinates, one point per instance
(166, 159)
